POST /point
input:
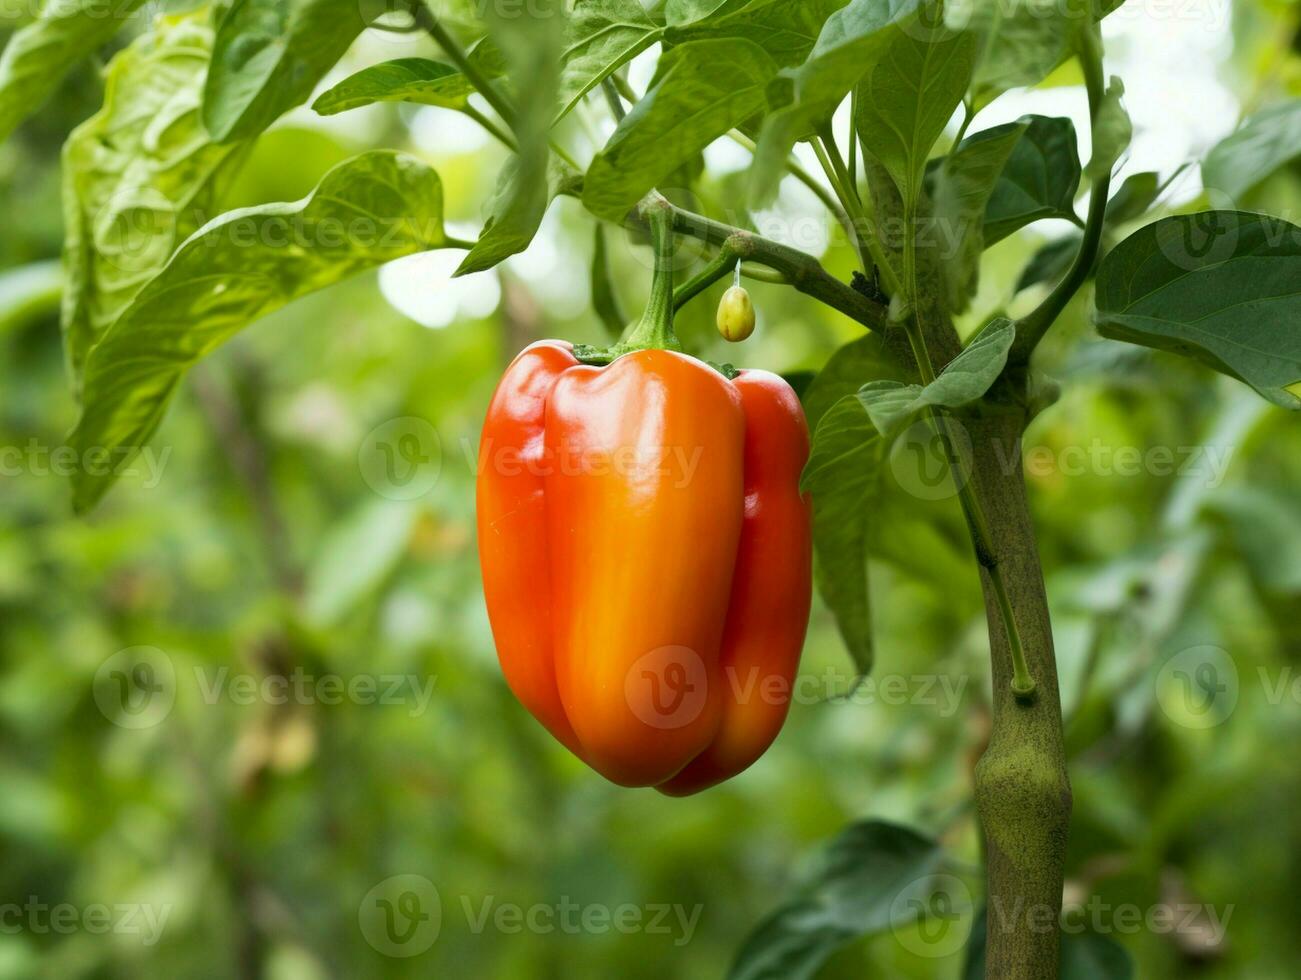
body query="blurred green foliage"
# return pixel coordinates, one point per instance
(253, 833)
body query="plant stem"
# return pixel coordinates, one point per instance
(655, 329)
(862, 233)
(721, 264)
(435, 29)
(496, 131)
(482, 83)
(799, 269)
(1030, 330)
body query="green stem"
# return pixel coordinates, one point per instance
(797, 268)
(482, 83)
(1031, 329)
(863, 233)
(1023, 684)
(496, 131)
(722, 263)
(655, 329)
(435, 29)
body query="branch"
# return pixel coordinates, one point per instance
(800, 269)
(1030, 330)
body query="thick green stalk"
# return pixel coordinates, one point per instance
(655, 329)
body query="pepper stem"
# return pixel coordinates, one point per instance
(655, 329)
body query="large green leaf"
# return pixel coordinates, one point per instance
(1020, 43)
(891, 405)
(269, 56)
(41, 53)
(961, 186)
(907, 99)
(138, 177)
(1265, 142)
(419, 80)
(786, 29)
(516, 211)
(368, 210)
(1220, 286)
(873, 877)
(849, 45)
(601, 36)
(702, 90)
(1039, 181)
(843, 475)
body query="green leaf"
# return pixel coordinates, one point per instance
(960, 192)
(42, 52)
(851, 42)
(786, 29)
(847, 370)
(873, 877)
(1040, 180)
(907, 99)
(418, 80)
(139, 177)
(702, 90)
(516, 210)
(843, 475)
(1265, 142)
(1223, 287)
(1112, 132)
(1135, 197)
(1021, 43)
(601, 36)
(269, 56)
(605, 299)
(680, 12)
(368, 210)
(892, 405)
(1051, 262)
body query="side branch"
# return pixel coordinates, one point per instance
(800, 269)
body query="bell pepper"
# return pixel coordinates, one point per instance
(646, 554)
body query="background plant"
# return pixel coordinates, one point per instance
(264, 475)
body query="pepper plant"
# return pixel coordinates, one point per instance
(886, 94)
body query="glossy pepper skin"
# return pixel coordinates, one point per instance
(646, 558)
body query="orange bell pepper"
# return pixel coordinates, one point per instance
(646, 558)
